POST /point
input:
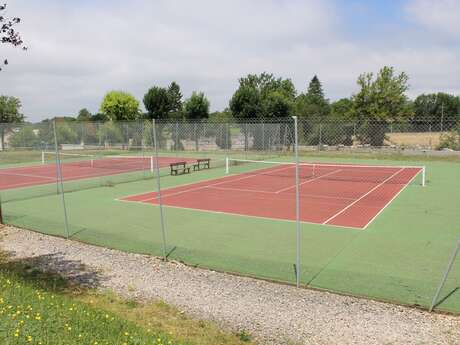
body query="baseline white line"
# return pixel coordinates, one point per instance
(308, 181)
(27, 175)
(238, 214)
(363, 196)
(209, 185)
(391, 200)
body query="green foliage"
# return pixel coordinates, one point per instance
(84, 115)
(221, 120)
(9, 113)
(378, 103)
(25, 137)
(259, 97)
(120, 106)
(244, 336)
(451, 140)
(342, 109)
(10, 110)
(110, 133)
(162, 103)
(434, 108)
(156, 101)
(313, 103)
(196, 107)
(175, 100)
(64, 132)
(262, 96)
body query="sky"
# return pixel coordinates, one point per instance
(79, 50)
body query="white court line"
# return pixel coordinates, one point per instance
(66, 179)
(238, 214)
(363, 196)
(391, 200)
(268, 192)
(308, 181)
(27, 175)
(210, 185)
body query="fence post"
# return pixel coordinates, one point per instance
(446, 274)
(297, 201)
(160, 203)
(59, 177)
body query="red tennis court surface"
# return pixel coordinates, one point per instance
(46, 173)
(338, 195)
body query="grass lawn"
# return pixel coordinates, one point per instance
(43, 309)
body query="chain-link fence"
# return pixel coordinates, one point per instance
(235, 203)
(260, 135)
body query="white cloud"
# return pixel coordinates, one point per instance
(437, 15)
(79, 52)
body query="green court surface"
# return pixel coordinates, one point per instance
(399, 257)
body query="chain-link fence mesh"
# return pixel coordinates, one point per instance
(237, 213)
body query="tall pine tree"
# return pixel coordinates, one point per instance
(313, 103)
(175, 100)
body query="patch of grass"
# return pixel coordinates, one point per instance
(168, 319)
(43, 309)
(244, 336)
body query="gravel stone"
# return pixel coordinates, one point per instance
(272, 313)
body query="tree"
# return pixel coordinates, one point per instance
(258, 98)
(156, 101)
(196, 108)
(255, 96)
(175, 101)
(84, 115)
(25, 137)
(342, 108)
(313, 102)
(436, 111)
(8, 34)
(120, 106)
(9, 114)
(378, 103)
(220, 121)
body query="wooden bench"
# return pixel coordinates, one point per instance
(204, 163)
(179, 167)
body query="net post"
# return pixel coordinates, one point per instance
(424, 176)
(297, 201)
(446, 274)
(59, 173)
(151, 164)
(160, 203)
(43, 157)
(227, 165)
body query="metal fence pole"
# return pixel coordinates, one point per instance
(59, 177)
(160, 203)
(297, 201)
(446, 274)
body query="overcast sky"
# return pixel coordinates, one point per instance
(79, 50)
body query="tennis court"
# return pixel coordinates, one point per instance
(78, 166)
(333, 194)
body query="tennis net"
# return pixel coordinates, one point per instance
(330, 171)
(121, 163)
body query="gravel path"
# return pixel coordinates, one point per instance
(273, 313)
